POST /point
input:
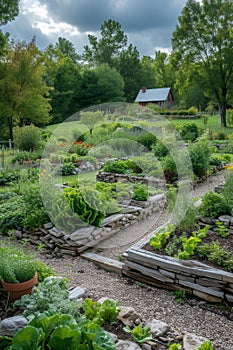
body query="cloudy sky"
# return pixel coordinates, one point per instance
(147, 23)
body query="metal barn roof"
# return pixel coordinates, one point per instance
(153, 95)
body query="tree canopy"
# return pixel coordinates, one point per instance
(108, 47)
(202, 41)
(22, 89)
(9, 9)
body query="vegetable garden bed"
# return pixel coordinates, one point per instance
(195, 277)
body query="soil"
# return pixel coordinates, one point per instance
(225, 243)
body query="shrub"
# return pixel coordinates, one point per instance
(25, 156)
(189, 131)
(169, 169)
(8, 176)
(193, 110)
(146, 139)
(27, 138)
(11, 213)
(65, 169)
(45, 135)
(140, 192)
(78, 135)
(229, 117)
(213, 205)
(34, 213)
(122, 167)
(160, 150)
(200, 156)
(228, 190)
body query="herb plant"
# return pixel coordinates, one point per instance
(222, 230)
(51, 295)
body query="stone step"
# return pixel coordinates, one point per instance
(106, 263)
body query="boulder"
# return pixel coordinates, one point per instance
(9, 326)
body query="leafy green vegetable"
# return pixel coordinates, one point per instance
(139, 333)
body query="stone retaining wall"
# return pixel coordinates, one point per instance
(195, 278)
(86, 237)
(112, 178)
(198, 279)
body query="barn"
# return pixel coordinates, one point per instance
(163, 97)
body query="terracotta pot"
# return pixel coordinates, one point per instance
(16, 290)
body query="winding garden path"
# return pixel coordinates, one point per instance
(116, 245)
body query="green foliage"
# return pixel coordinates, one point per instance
(214, 253)
(15, 266)
(8, 176)
(140, 333)
(122, 167)
(175, 347)
(43, 270)
(189, 219)
(85, 207)
(227, 191)
(169, 169)
(105, 50)
(189, 131)
(90, 119)
(26, 156)
(222, 230)
(160, 238)
(146, 139)
(35, 214)
(229, 117)
(206, 346)
(160, 150)
(11, 213)
(180, 296)
(190, 39)
(61, 331)
(200, 154)
(101, 312)
(65, 169)
(51, 295)
(27, 138)
(190, 244)
(140, 192)
(213, 205)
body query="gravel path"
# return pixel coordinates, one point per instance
(148, 301)
(115, 246)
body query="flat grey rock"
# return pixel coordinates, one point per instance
(192, 341)
(77, 293)
(158, 328)
(127, 345)
(9, 326)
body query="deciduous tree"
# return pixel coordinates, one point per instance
(22, 89)
(203, 36)
(9, 9)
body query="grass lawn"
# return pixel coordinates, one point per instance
(65, 129)
(86, 177)
(213, 124)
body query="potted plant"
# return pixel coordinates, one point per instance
(17, 272)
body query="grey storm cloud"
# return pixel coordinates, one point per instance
(147, 23)
(134, 15)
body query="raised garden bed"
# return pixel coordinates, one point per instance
(86, 237)
(197, 278)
